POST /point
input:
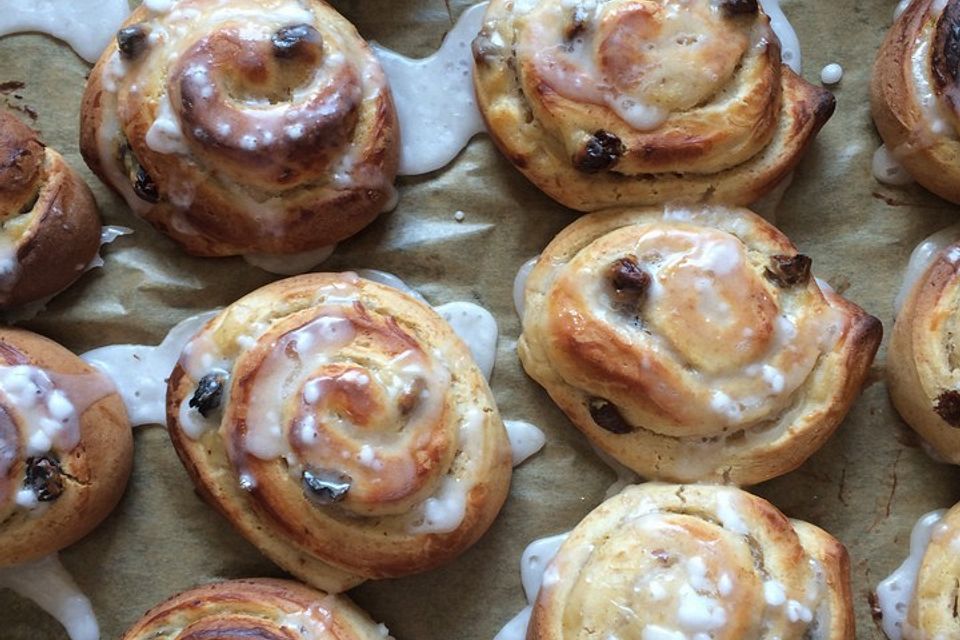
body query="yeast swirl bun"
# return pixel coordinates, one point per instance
(258, 609)
(245, 126)
(915, 94)
(66, 447)
(693, 344)
(49, 224)
(924, 381)
(674, 561)
(626, 102)
(342, 427)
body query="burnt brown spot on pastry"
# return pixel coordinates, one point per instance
(132, 41)
(578, 23)
(208, 395)
(948, 407)
(601, 151)
(608, 417)
(734, 8)
(325, 486)
(946, 49)
(788, 271)
(288, 42)
(44, 477)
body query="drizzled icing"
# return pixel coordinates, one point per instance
(533, 565)
(86, 25)
(47, 583)
(290, 264)
(789, 42)
(525, 439)
(140, 372)
(887, 170)
(477, 328)
(895, 592)
(520, 285)
(922, 257)
(434, 96)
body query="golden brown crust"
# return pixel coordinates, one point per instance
(406, 419)
(731, 138)
(221, 173)
(932, 611)
(693, 344)
(256, 609)
(94, 472)
(922, 139)
(695, 559)
(921, 359)
(50, 225)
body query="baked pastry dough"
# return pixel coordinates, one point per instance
(49, 225)
(342, 427)
(66, 447)
(915, 94)
(638, 102)
(254, 126)
(674, 561)
(922, 378)
(259, 609)
(693, 344)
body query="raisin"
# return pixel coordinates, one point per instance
(733, 8)
(601, 151)
(132, 41)
(209, 393)
(145, 187)
(578, 23)
(948, 407)
(484, 50)
(627, 276)
(44, 477)
(787, 271)
(325, 486)
(608, 417)
(288, 41)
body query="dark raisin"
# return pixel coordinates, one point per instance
(325, 486)
(948, 407)
(132, 41)
(664, 557)
(601, 151)
(627, 276)
(209, 393)
(145, 187)
(787, 271)
(946, 47)
(287, 41)
(484, 50)
(44, 477)
(411, 397)
(731, 8)
(608, 417)
(578, 23)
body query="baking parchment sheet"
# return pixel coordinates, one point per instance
(867, 486)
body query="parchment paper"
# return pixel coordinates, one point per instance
(867, 486)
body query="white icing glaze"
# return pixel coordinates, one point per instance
(140, 372)
(533, 566)
(520, 285)
(434, 97)
(922, 257)
(789, 42)
(900, 8)
(47, 583)
(86, 25)
(931, 105)
(525, 439)
(165, 135)
(290, 264)
(477, 328)
(831, 74)
(159, 6)
(887, 170)
(895, 592)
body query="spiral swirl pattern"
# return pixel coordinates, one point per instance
(693, 344)
(693, 562)
(924, 378)
(257, 609)
(618, 102)
(915, 94)
(353, 436)
(243, 126)
(66, 447)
